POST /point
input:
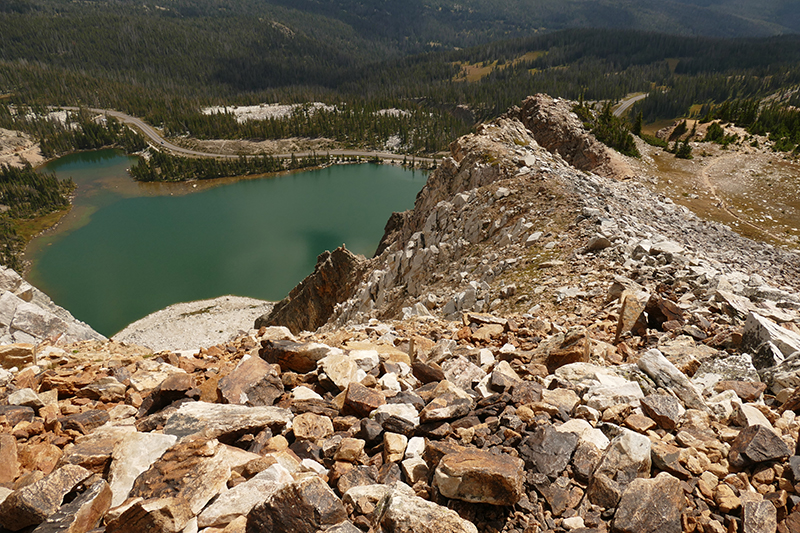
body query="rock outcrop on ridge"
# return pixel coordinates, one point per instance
(28, 316)
(535, 349)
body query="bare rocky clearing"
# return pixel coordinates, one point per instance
(17, 147)
(751, 189)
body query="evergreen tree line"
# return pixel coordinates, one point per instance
(26, 194)
(164, 167)
(80, 131)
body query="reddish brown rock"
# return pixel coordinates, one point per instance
(748, 391)
(9, 464)
(480, 477)
(157, 515)
(651, 506)
(253, 382)
(92, 454)
(42, 456)
(304, 506)
(758, 515)
(756, 444)
(84, 422)
(173, 388)
(665, 410)
(313, 427)
(32, 504)
(361, 400)
(660, 310)
(576, 348)
(631, 315)
(81, 515)
(427, 372)
(193, 470)
(309, 305)
(16, 355)
(15, 414)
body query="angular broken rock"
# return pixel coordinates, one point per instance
(9, 463)
(650, 506)
(313, 427)
(339, 370)
(665, 410)
(194, 470)
(16, 355)
(361, 400)
(132, 456)
(253, 382)
(626, 458)
(575, 348)
(85, 422)
(32, 504)
(401, 512)
(107, 389)
(217, 420)
(631, 314)
(26, 397)
(654, 364)
(161, 515)
(299, 357)
(81, 515)
(241, 499)
(756, 444)
(547, 450)
(759, 330)
(480, 477)
(303, 506)
(758, 515)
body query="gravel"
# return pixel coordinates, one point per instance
(192, 325)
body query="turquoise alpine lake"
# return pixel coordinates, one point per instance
(127, 249)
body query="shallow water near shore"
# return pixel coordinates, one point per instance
(128, 249)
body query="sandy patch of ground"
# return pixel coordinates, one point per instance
(751, 189)
(17, 148)
(193, 325)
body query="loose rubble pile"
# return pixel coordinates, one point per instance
(499, 425)
(534, 349)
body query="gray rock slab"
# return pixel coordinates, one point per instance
(217, 420)
(666, 375)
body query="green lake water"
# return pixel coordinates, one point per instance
(127, 249)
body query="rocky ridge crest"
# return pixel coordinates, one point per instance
(536, 348)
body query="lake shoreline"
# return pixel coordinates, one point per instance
(255, 235)
(180, 188)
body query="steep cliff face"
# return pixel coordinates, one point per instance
(309, 305)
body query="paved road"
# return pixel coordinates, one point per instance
(625, 104)
(162, 144)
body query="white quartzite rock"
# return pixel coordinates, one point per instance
(400, 512)
(243, 497)
(132, 456)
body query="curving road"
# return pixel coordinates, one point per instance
(163, 144)
(626, 104)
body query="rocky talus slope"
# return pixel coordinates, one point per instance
(535, 348)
